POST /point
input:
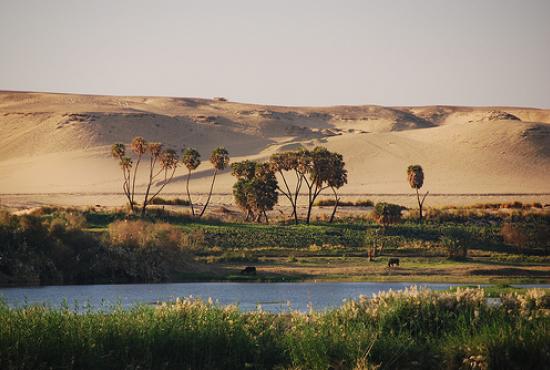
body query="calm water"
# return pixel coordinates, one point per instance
(271, 296)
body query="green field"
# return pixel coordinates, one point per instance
(59, 246)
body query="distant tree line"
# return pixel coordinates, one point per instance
(257, 187)
(161, 165)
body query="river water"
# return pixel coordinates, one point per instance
(273, 297)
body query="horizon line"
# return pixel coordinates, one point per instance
(228, 100)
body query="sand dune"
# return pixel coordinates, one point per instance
(60, 143)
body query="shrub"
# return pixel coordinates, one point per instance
(342, 203)
(144, 251)
(143, 234)
(170, 202)
(387, 213)
(364, 203)
(515, 204)
(194, 239)
(456, 240)
(526, 235)
(513, 235)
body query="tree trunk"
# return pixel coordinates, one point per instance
(288, 194)
(189, 194)
(309, 207)
(145, 199)
(419, 206)
(133, 192)
(126, 188)
(299, 180)
(337, 201)
(209, 194)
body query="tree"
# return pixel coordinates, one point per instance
(415, 176)
(139, 147)
(324, 169)
(256, 188)
(338, 177)
(387, 213)
(456, 241)
(220, 160)
(191, 159)
(286, 162)
(244, 171)
(167, 160)
(118, 151)
(160, 162)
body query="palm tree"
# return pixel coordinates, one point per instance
(220, 160)
(338, 177)
(118, 151)
(139, 147)
(168, 164)
(191, 159)
(155, 151)
(415, 176)
(288, 162)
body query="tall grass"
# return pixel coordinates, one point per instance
(393, 330)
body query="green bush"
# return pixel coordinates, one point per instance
(387, 213)
(457, 241)
(51, 249)
(170, 202)
(342, 203)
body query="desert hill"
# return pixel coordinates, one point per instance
(60, 143)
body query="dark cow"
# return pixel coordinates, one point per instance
(249, 270)
(393, 262)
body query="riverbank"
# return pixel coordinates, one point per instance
(474, 270)
(406, 330)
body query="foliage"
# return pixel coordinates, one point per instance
(527, 235)
(169, 202)
(256, 188)
(324, 170)
(161, 162)
(387, 213)
(54, 249)
(415, 176)
(290, 161)
(319, 169)
(219, 158)
(406, 329)
(332, 202)
(191, 159)
(456, 241)
(148, 251)
(56, 245)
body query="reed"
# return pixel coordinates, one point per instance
(409, 329)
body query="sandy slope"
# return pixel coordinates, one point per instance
(59, 143)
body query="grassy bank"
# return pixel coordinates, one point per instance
(62, 246)
(405, 330)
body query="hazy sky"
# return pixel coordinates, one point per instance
(398, 52)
